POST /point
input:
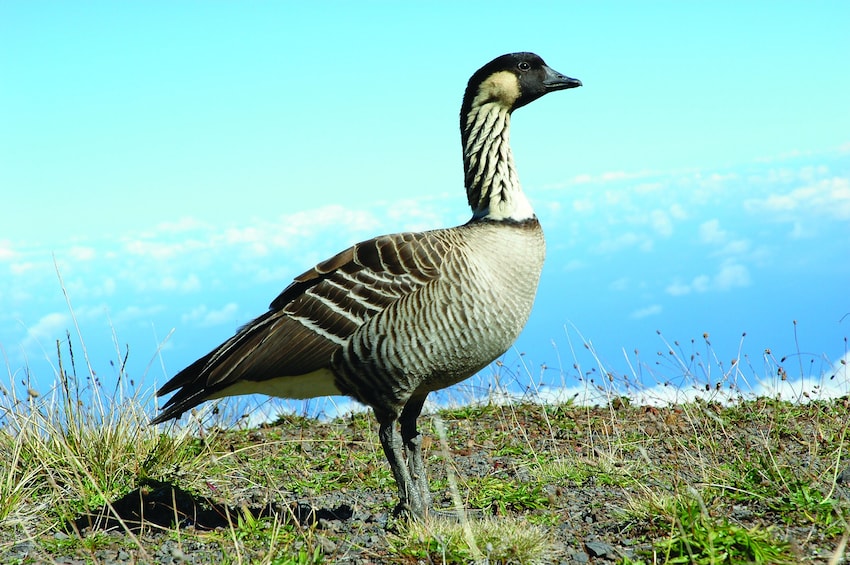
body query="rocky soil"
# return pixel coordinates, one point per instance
(596, 479)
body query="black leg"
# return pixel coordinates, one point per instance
(412, 442)
(410, 499)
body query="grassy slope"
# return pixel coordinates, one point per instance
(757, 481)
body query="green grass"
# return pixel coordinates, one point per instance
(504, 497)
(78, 465)
(697, 537)
(488, 540)
(750, 481)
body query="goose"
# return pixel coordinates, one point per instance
(393, 318)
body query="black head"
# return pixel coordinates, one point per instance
(513, 80)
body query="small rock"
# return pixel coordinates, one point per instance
(600, 549)
(741, 512)
(328, 546)
(178, 554)
(21, 550)
(843, 477)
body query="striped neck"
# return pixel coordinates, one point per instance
(492, 184)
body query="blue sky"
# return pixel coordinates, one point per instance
(182, 161)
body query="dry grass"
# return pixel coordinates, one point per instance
(721, 479)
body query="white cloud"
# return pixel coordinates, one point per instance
(251, 237)
(48, 328)
(314, 222)
(648, 187)
(227, 314)
(22, 268)
(614, 198)
(282, 275)
(730, 275)
(133, 313)
(701, 283)
(678, 288)
(832, 383)
(652, 310)
(661, 223)
(108, 286)
(624, 241)
(204, 317)
(184, 224)
(582, 205)
(261, 409)
(188, 284)
(82, 253)
(736, 247)
(194, 314)
(710, 232)
(411, 215)
(826, 198)
(678, 212)
(7, 253)
(774, 203)
(801, 231)
(574, 265)
(291, 231)
(841, 369)
(552, 206)
(613, 175)
(159, 250)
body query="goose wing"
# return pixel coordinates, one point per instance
(312, 318)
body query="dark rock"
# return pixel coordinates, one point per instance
(600, 549)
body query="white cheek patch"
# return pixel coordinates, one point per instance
(501, 87)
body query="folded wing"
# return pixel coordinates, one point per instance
(310, 320)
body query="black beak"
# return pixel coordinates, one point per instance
(556, 81)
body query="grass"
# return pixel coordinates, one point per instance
(490, 540)
(697, 537)
(745, 480)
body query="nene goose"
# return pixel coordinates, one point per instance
(393, 318)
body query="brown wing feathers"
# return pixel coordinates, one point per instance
(312, 317)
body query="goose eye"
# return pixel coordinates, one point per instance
(524, 66)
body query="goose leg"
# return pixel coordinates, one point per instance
(410, 499)
(412, 442)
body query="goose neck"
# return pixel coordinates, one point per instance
(492, 185)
